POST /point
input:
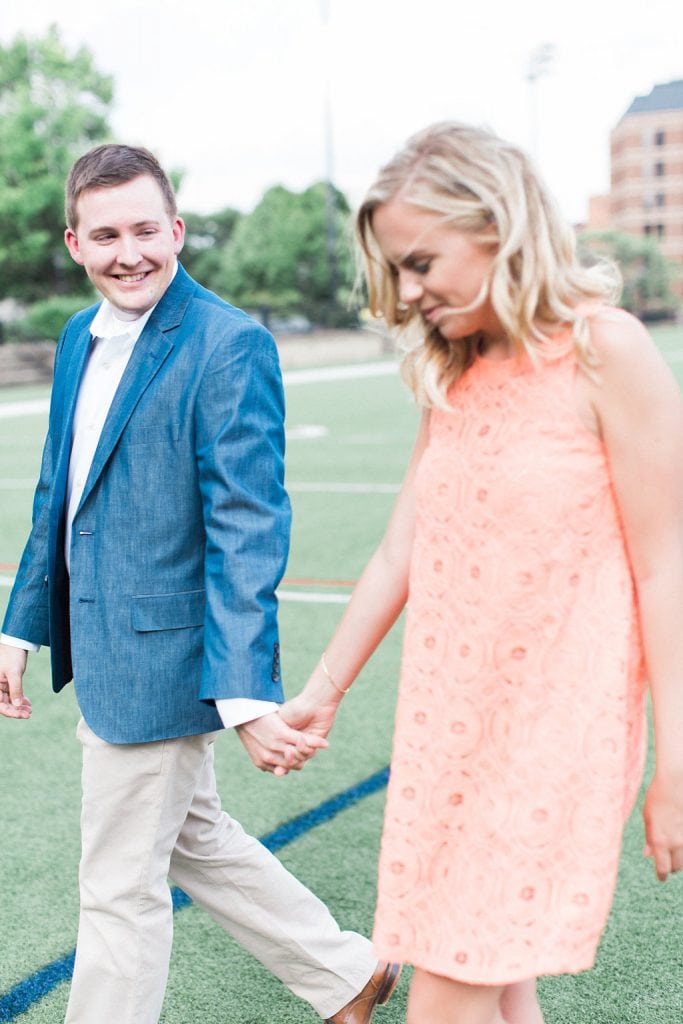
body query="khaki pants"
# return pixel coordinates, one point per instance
(151, 810)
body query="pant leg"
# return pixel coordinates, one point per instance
(143, 803)
(135, 800)
(253, 897)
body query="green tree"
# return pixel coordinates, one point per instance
(291, 255)
(206, 236)
(647, 274)
(53, 106)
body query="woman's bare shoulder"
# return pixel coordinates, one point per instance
(629, 363)
(614, 331)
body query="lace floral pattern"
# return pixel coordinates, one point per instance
(519, 739)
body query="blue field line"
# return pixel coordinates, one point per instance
(38, 985)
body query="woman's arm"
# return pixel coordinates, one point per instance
(376, 603)
(640, 416)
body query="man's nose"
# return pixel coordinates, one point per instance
(128, 253)
(410, 288)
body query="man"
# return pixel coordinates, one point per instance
(160, 532)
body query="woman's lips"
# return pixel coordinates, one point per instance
(433, 313)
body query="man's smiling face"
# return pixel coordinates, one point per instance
(127, 241)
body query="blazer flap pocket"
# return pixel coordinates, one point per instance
(169, 611)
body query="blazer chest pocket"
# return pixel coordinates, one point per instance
(168, 611)
(153, 433)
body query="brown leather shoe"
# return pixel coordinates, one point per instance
(377, 991)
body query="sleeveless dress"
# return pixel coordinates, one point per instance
(520, 730)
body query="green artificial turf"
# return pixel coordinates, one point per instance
(370, 424)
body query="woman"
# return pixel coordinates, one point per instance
(538, 538)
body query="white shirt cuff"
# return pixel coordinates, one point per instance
(238, 710)
(14, 641)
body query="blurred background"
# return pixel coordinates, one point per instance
(274, 116)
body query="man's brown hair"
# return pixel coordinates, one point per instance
(114, 164)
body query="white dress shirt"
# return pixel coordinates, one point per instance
(114, 338)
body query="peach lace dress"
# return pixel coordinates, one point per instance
(520, 729)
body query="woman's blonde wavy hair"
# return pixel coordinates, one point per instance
(487, 188)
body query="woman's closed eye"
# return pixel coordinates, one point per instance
(418, 265)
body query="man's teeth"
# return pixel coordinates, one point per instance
(130, 278)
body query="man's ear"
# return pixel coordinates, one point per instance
(71, 242)
(178, 234)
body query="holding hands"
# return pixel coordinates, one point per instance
(283, 741)
(275, 747)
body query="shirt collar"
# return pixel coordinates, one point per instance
(106, 325)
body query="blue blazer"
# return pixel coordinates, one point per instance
(182, 532)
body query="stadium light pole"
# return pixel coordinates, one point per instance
(330, 195)
(540, 60)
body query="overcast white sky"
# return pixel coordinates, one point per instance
(232, 91)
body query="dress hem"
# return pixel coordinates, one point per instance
(448, 970)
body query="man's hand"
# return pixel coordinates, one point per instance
(275, 747)
(13, 703)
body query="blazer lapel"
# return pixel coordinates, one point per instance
(64, 404)
(149, 354)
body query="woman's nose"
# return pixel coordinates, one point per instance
(410, 288)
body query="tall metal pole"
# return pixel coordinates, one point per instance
(330, 195)
(539, 61)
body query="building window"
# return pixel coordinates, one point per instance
(659, 169)
(647, 229)
(660, 199)
(659, 138)
(660, 231)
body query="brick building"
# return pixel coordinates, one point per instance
(646, 192)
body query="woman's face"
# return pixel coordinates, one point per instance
(439, 269)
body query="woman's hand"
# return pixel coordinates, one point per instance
(309, 714)
(663, 814)
(313, 710)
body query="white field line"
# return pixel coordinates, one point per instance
(341, 488)
(301, 486)
(306, 432)
(37, 405)
(303, 596)
(356, 371)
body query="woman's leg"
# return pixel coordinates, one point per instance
(519, 1004)
(440, 1000)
